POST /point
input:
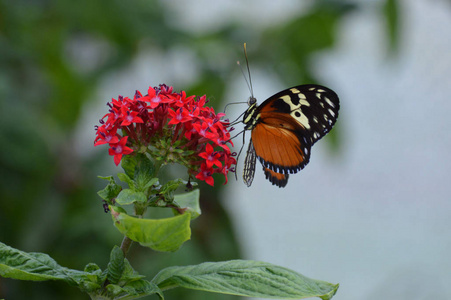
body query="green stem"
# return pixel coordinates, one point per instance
(125, 246)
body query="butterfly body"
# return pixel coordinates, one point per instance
(285, 127)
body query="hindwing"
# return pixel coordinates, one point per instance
(279, 148)
(275, 178)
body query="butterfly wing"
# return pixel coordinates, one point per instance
(288, 124)
(278, 179)
(277, 145)
(249, 164)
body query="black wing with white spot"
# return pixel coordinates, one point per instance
(314, 107)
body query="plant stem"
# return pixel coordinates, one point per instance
(125, 246)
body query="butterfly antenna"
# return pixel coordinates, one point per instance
(244, 76)
(248, 72)
(248, 82)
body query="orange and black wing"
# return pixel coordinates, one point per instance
(286, 126)
(278, 179)
(278, 147)
(275, 178)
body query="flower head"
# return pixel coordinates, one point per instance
(172, 128)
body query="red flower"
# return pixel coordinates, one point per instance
(204, 130)
(180, 116)
(119, 149)
(170, 127)
(205, 174)
(155, 98)
(106, 137)
(211, 157)
(129, 117)
(228, 167)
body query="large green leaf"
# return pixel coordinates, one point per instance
(245, 278)
(21, 265)
(166, 235)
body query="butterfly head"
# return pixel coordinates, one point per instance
(250, 115)
(252, 100)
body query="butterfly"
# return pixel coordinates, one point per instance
(285, 127)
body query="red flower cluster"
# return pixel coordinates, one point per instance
(172, 128)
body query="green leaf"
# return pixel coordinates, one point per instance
(168, 189)
(127, 179)
(21, 265)
(116, 265)
(172, 185)
(133, 290)
(190, 201)
(111, 190)
(131, 285)
(129, 196)
(144, 172)
(128, 163)
(114, 290)
(166, 235)
(142, 287)
(89, 286)
(94, 275)
(93, 268)
(149, 184)
(139, 168)
(138, 174)
(245, 278)
(129, 274)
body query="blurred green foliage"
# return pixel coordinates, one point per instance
(391, 12)
(48, 200)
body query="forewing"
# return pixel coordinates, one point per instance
(313, 108)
